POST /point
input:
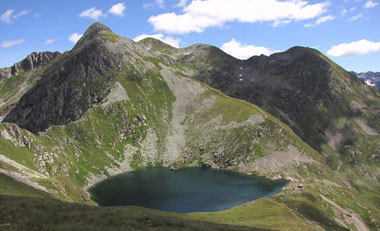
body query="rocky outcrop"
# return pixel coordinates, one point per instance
(29, 63)
(5, 72)
(34, 61)
(70, 86)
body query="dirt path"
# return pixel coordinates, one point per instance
(364, 126)
(27, 172)
(24, 175)
(18, 177)
(350, 218)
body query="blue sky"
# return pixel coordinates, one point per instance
(347, 31)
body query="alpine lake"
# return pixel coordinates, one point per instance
(184, 190)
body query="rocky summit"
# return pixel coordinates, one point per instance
(112, 105)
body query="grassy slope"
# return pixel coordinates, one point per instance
(84, 142)
(79, 149)
(48, 214)
(12, 187)
(264, 213)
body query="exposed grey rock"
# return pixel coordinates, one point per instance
(5, 72)
(29, 63)
(33, 61)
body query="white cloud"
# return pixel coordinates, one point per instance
(7, 16)
(355, 17)
(324, 19)
(49, 41)
(37, 15)
(281, 23)
(199, 15)
(118, 9)
(148, 5)
(92, 13)
(166, 39)
(12, 43)
(320, 20)
(370, 4)
(241, 51)
(21, 13)
(160, 3)
(360, 47)
(181, 3)
(308, 25)
(74, 37)
(343, 12)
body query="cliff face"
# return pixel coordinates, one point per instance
(5, 72)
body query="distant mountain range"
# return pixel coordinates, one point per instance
(369, 77)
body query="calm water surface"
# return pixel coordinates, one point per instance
(184, 190)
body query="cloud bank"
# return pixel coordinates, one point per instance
(240, 51)
(12, 43)
(199, 15)
(360, 47)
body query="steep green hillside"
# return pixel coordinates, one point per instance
(111, 105)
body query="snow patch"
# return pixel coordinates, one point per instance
(369, 82)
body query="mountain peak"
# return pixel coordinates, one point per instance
(96, 28)
(92, 31)
(156, 44)
(302, 50)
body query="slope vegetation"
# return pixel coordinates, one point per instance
(111, 105)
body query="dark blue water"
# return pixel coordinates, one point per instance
(184, 190)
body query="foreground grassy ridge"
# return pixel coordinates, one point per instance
(263, 213)
(12, 187)
(48, 214)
